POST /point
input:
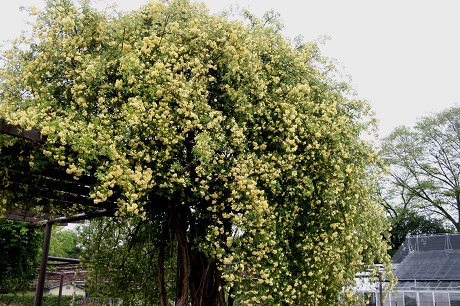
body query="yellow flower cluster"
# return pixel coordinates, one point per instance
(172, 106)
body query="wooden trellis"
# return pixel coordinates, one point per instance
(52, 186)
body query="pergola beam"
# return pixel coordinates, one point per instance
(62, 259)
(15, 130)
(79, 217)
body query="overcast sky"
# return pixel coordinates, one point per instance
(402, 55)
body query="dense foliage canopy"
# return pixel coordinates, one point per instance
(424, 166)
(19, 250)
(240, 150)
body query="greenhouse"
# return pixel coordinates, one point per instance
(428, 271)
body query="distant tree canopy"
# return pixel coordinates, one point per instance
(424, 166)
(410, 222)
(241, 152)
(64, 243)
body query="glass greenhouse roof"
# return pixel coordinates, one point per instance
(429, 258)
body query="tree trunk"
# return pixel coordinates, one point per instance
(204, 283)
(197, 279)
(182, 267)
(220, 293)
(161, 268)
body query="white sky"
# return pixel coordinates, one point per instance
(402, 55)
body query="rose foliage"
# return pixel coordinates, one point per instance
(243, 148)
(19, 249)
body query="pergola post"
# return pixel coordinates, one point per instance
(61, 283)
(43, 264)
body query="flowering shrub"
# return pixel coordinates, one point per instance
(246, 148)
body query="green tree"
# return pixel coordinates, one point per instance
(405, 222)
(241, 152)
(120, 252)
(406, 219)
(19, 249)
(64, 243)
(424, 166)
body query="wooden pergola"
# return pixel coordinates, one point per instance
(67, 269)
(54, 187)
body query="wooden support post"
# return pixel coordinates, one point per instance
(61, 283)
(44, 262)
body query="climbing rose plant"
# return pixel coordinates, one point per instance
(243, 148)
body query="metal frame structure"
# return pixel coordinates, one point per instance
(428, 272)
